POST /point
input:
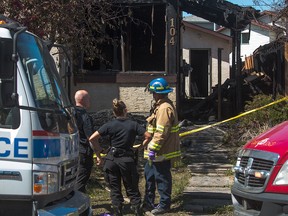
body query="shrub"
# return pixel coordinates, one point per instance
(270, 115)
(247, 127)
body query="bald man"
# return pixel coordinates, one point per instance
(85, 127)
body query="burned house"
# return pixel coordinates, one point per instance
(148, 46)
(266, 72)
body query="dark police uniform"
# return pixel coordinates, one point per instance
(119, 163)
(85, 127)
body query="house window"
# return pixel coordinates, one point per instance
(245, 38)
(139, 45)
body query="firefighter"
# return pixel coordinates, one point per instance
(120, 162)
(163, 151)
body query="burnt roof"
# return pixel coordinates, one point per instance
(221, 12)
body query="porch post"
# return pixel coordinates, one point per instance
(172, 51)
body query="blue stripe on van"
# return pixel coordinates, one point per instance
(64, 211)
(45, 148)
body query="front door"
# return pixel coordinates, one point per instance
(200, 76)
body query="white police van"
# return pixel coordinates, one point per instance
(38, 134)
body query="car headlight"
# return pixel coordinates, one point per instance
(45, 183)
(282, 176)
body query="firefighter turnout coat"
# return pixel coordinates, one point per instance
(164, 127)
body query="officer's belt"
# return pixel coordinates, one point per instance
(119, 152)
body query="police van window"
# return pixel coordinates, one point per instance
(44, 83)
(6, 64)
(38, 72)
(9, 114)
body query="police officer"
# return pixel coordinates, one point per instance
(163, 151)
(85, 127)
(120, 163)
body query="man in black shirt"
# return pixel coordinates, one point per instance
(85, 127)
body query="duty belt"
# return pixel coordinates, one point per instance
(119, 152)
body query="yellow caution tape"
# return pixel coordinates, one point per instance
(232, 118)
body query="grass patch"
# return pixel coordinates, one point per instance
(100, 196)
(225, 210)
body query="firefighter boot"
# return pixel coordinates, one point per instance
(117, 210)
(137, 210)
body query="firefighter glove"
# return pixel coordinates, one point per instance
(151, 155)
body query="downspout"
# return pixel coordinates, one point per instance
(238, 73)
(123, 60)
(219, 84)
(233, 69)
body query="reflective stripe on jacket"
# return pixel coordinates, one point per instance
(163, 125)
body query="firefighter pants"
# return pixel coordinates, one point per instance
(117, 169)
(158, 174)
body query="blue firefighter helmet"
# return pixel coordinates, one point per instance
(159, 86)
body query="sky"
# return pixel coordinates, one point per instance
(247, 3)
(250, 3)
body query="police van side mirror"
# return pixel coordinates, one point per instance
(6, 65)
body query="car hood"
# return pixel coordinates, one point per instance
(274, 140)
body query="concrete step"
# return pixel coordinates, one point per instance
(208, 193)
(202, 138)
(203, 148)
(215, 150)
(213, 157)
(207, 130)
(205, 206)
(205, 193)
(204, 182)
(216, 168)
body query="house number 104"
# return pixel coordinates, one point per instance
(172, 32)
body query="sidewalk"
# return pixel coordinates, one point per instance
(212, 177)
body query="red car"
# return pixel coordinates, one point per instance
(261, 175)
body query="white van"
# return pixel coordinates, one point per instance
(38, 134)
